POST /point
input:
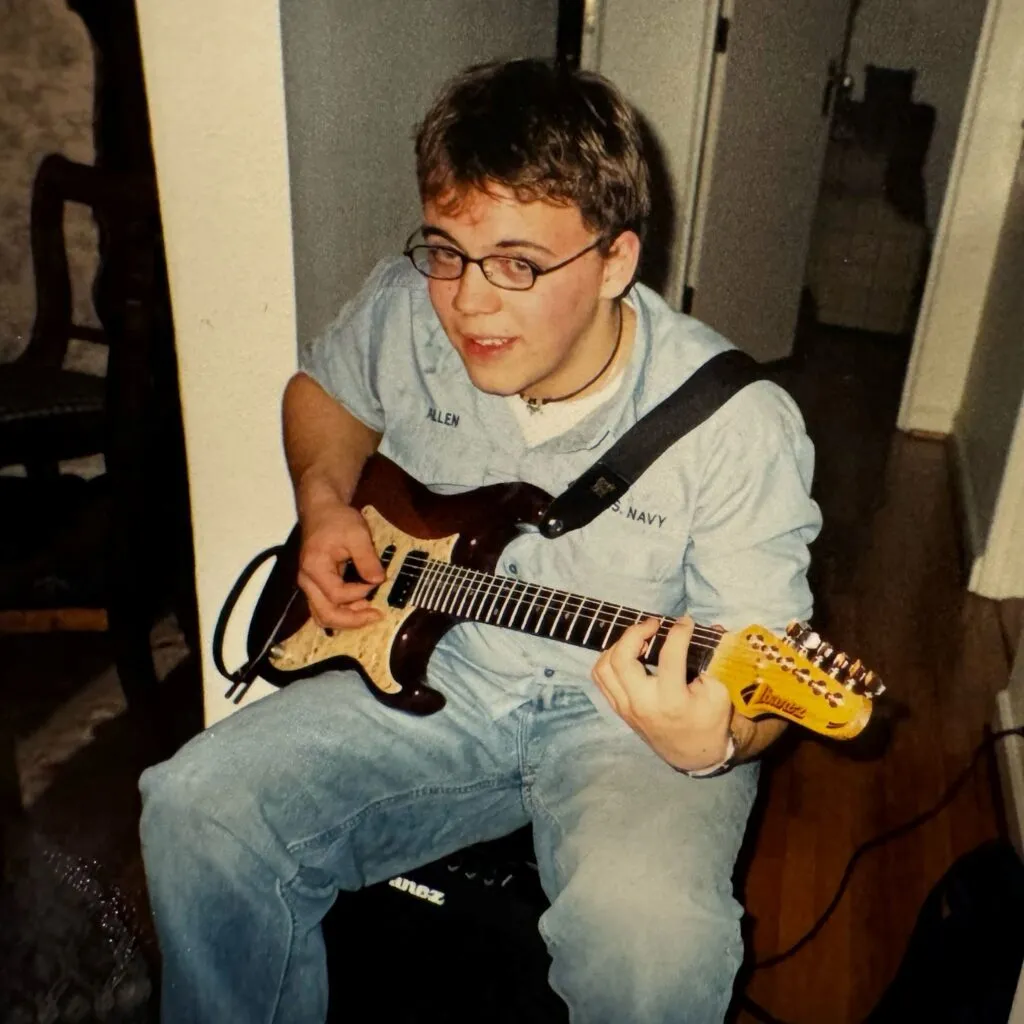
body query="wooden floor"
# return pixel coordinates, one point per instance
(891, 591)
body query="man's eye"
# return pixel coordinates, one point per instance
(514, 266)
(442, 256)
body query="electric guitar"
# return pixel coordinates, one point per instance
(439, 553)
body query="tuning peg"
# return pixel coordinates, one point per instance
(822, 654)
(873, 685)
(855, 676)
(810, 643)
(837, 670)
(795, 632)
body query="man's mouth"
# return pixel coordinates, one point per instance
(477, 344)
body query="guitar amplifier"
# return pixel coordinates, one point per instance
(454, 941)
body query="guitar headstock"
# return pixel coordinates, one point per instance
(800, 677)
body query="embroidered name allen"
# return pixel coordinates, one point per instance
(445, 419)
(773, 700)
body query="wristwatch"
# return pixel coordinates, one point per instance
(726, 764)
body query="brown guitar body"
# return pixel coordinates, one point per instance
(439, 554)
(469, 530)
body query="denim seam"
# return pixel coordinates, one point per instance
(332, 833)
(288, 956)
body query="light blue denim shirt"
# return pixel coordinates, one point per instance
(718, 527)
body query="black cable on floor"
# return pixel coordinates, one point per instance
(759, 1012)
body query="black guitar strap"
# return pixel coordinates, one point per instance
(704, 392)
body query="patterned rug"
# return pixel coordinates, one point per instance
(70, 946)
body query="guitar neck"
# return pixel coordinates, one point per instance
(474, 596)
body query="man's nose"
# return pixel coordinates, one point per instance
(475, 294)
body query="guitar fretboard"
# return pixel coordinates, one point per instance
(504, 601)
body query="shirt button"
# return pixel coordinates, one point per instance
(549, 672)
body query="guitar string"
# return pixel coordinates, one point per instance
(707, 640)
(456, 583)
(444, 576)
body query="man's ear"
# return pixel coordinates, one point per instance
(620, 265)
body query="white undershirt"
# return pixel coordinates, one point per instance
(557, 417)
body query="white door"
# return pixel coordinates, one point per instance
(765, 146)
(989, 427)
(660, 54)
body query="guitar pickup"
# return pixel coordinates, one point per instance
(351, 573)
(407, 576)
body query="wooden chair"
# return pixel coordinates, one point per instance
(48, 413)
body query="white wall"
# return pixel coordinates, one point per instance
(216, 95)
(938, 38)
(967, 237)
(358, 77)
(992, 399)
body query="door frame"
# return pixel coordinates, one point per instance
(963, 257)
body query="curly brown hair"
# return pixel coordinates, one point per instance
(543, 131)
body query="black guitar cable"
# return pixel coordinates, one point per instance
(759, 1012)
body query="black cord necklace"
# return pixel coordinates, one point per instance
(537, 404)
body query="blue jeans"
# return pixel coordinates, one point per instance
(252, 828)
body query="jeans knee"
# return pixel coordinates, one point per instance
(632, 954)
(185, 800)
(170, 801)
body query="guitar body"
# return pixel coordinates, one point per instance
(469, 530)
(439, 553)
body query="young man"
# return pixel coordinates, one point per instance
(511, 345)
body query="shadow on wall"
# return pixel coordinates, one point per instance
(657, 248)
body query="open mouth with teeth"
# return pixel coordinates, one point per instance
(482, 347)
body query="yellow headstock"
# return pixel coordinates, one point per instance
(800, 678)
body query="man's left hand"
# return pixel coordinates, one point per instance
(686, 724)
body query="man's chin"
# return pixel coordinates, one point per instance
(489, 386)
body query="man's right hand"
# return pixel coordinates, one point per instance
(333, 534)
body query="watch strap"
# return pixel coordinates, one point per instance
(726, 764)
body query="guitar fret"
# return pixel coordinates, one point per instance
(593, 619)
(657, 641)
(472, 591)
(519, 604)
(436, 584)
(458, 591)
(458, 588)
(559, 616)
(443, 583)
(448, 576)
(608, 632)
(543, 612)
(524, 625)
(492, 592)
(414, 597)
(572, 623)
(501, 611)
(527, 589)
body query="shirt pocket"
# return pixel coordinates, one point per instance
(631, 563)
